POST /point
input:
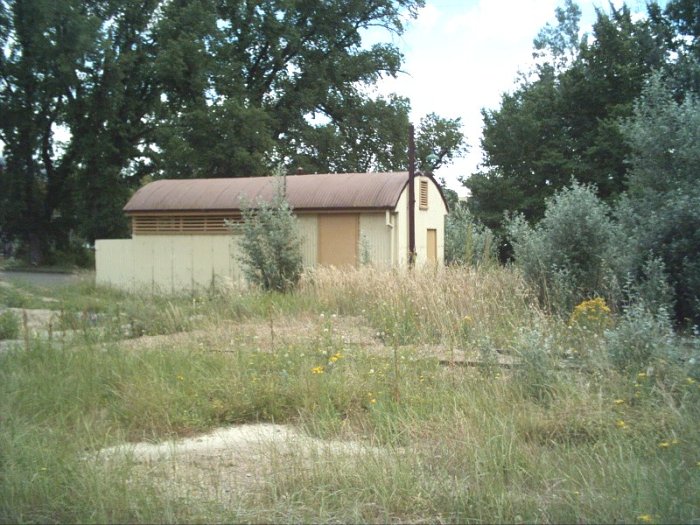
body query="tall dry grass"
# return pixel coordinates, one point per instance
(445, 305)
(559, 436)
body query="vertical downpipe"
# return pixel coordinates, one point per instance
(411, 197)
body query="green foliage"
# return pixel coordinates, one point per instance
(559, 44)
(661, 212)
(441, 137)
(561, 121)
(187, 89)
(247, 85)
(538, 441)
(378, 132)
(9, 325)
(640, 338)
(569, 255)
(270, 243)
(467, 241)
(83, 67)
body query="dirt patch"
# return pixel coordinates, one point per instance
(351, 332)
(224, 463)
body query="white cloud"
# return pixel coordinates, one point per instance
(462, 55)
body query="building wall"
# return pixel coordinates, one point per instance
(308, 231)
(377, 245)
(166, 263)
(432, 218)
(174, 263)
(375, 240)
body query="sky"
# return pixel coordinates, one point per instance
(461, 55)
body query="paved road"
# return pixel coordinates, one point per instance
(40, 278)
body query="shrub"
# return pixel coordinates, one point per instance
(640, 337)
(467, 241)
(536, 373)
(661, 211)
(270, 244)
(568, 256)
(9, 325)
(592, 315)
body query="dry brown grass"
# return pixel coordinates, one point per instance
(448, 305)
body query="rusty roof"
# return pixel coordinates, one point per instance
(304, 192)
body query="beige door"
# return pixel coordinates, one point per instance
(338, 237)
(432, 246)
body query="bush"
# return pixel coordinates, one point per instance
(270, 245)
(568, 257)
(9, 325)
(591, 315)
(467, 241)
(661, 211)
(640, 338)
(536, 374)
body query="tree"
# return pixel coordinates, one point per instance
(110, 115)
(43, 43)
(661, 212)
(81, 67)
(558, 45)
(268, 67)
(374, 137)
(441, 137)
(561, 121)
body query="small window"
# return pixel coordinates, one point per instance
(423, 199)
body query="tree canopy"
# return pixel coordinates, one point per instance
(97, 94)
(562, 120)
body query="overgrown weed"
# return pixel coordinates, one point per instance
(560, 435)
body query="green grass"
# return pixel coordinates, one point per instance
(538, 442)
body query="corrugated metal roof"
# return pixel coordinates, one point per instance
(304, 192)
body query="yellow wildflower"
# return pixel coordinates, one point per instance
(645, 518)
(641, 375)
(592, 314)
(690, 380)
(664, 444)
(317, 370)
(180, 377)
(619, 401)
(620, 424)
(335, 357)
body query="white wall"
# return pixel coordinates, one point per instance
(174, 263)
(375, 240)
(166, 263)
(433, 218)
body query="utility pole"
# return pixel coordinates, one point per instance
(411, 197)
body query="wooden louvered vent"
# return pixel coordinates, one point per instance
(423, 200)
(182, 224)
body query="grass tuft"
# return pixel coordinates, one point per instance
(459, 399)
